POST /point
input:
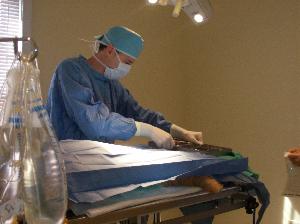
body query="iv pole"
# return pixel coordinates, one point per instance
(32, 55)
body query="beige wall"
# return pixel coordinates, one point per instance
(236, 77)
(244, 83)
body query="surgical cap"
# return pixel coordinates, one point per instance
(124, 40)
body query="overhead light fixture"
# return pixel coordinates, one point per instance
(197, 10)
(163, 2)
(177, 7)
(152, 2)
(198, 18)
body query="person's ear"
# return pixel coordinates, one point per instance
(110, 49)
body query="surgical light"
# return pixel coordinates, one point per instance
(177, 8)
(197, 10)
(163, 2)
(198, 18)
(152, 1)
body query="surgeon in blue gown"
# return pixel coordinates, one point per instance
(87, 101)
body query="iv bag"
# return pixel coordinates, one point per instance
(11, 142)
(44, 181)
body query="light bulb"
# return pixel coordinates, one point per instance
(152, 1)
(198, 18)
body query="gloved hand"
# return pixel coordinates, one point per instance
(161, 138)
(294, 155)
(183, 134)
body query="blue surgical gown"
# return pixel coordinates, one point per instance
(83, 104)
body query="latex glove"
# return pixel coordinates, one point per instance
(183, 134)
(161, 138)
(294, 155)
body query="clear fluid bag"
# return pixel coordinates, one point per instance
(11, 143)
(44, 180)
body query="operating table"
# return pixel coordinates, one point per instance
(234, 195)
(228, 199)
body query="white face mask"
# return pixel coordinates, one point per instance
(115, 73)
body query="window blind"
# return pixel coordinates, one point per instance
(10, 26)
